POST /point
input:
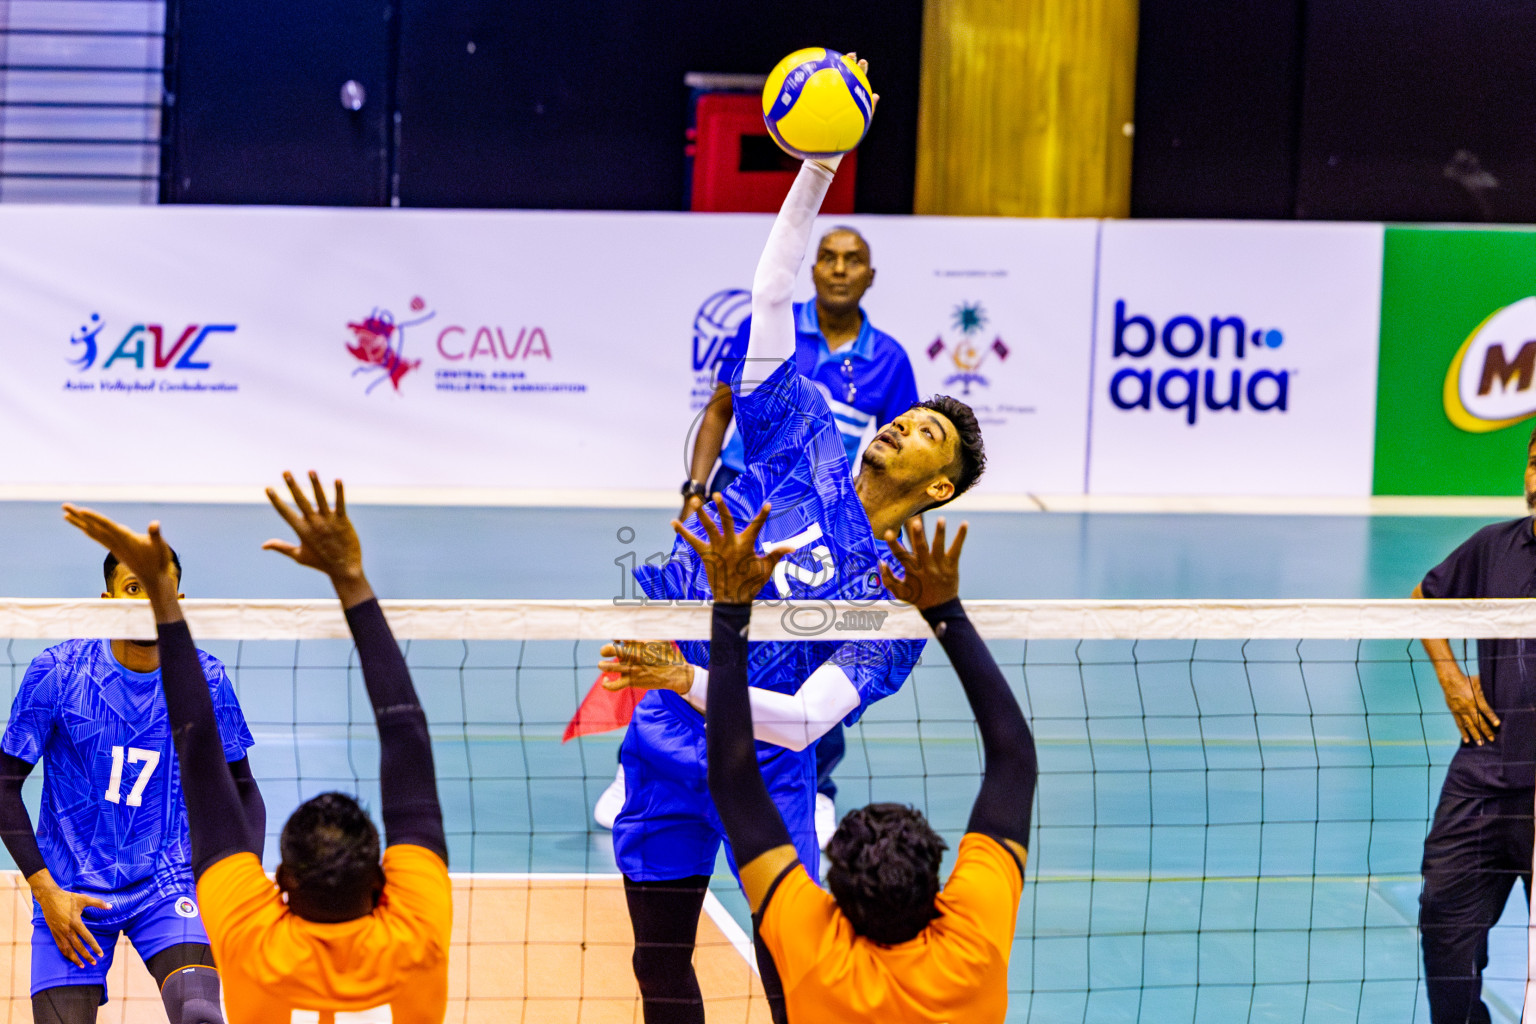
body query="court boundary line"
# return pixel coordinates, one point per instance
(731, 930)
(1490, 506)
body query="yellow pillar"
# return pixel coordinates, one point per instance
(1026, 107)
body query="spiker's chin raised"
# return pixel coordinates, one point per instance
(1530, 501)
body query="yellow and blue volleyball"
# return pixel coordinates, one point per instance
(817, 103)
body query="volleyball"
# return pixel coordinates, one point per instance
(817, 103)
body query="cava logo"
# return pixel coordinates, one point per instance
(1489, 384)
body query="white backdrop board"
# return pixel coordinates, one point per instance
(536, 351)
(1235, 358)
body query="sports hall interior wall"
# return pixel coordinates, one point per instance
(1335, 109)
(484, 103)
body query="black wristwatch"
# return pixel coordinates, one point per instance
(694, 489)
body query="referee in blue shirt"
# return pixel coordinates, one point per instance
(867, 380)
(1481, 839)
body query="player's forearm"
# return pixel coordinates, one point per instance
(1447, 669)
(407, 778)
(1008, 781)
(772, 337)
(711, 436)
(15, 822)
(214, 814)
(251, 803)
(751, 821)
(792, 720)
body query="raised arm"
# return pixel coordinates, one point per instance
(407, 779)
(215, 817)
(932, 583)
(772, 339)
(737, 572)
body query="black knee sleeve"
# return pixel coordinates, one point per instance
(191, 996)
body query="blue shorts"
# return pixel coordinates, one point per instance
(159, 926)
(668, 827)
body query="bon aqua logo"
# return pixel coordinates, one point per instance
(1488, 385)
(1202, 375)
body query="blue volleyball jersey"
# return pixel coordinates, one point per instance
(866, 383)
(795, 459)
(113, 822)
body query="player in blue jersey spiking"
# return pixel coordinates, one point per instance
(112, 853)
(667, 835)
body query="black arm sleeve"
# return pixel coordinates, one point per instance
(751, 820)
(251, 802)
(15, 823)
(214, 815)
(407, 780)
(1008, 781)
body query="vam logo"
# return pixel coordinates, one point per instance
(135, 346)
(1197, 378)
(716, 323)
(1489, 383)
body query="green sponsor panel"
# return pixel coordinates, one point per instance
(1439, 287)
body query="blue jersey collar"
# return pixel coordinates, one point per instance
(861, 347)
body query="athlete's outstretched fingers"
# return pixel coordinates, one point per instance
(903, 555)
(698, 544)
(321, 505)
(938, 536)
(753, 528)
(282, 547)
(298, 495)
(283, 510)
(341, 499)
(919, 535)
(954, 549)
(727, 521)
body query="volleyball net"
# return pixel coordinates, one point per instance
(1232, 803)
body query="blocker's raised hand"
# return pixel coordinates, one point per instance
(932, 574)
(146, 555)
(327, 540)
(736, 571)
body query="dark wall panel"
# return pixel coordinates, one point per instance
(582, 106)
(1217, 102)
(1419, 110)
(253, 107)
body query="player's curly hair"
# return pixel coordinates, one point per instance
(330, 848)
(883, 870)
(970, 454)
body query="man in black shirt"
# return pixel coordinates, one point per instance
(1481, 838)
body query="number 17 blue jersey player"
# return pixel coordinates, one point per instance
(667, 835)
(111, 854)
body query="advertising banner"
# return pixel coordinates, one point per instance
(1458, 361)
(996, 312)
(1235, 359)
(542, 352)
